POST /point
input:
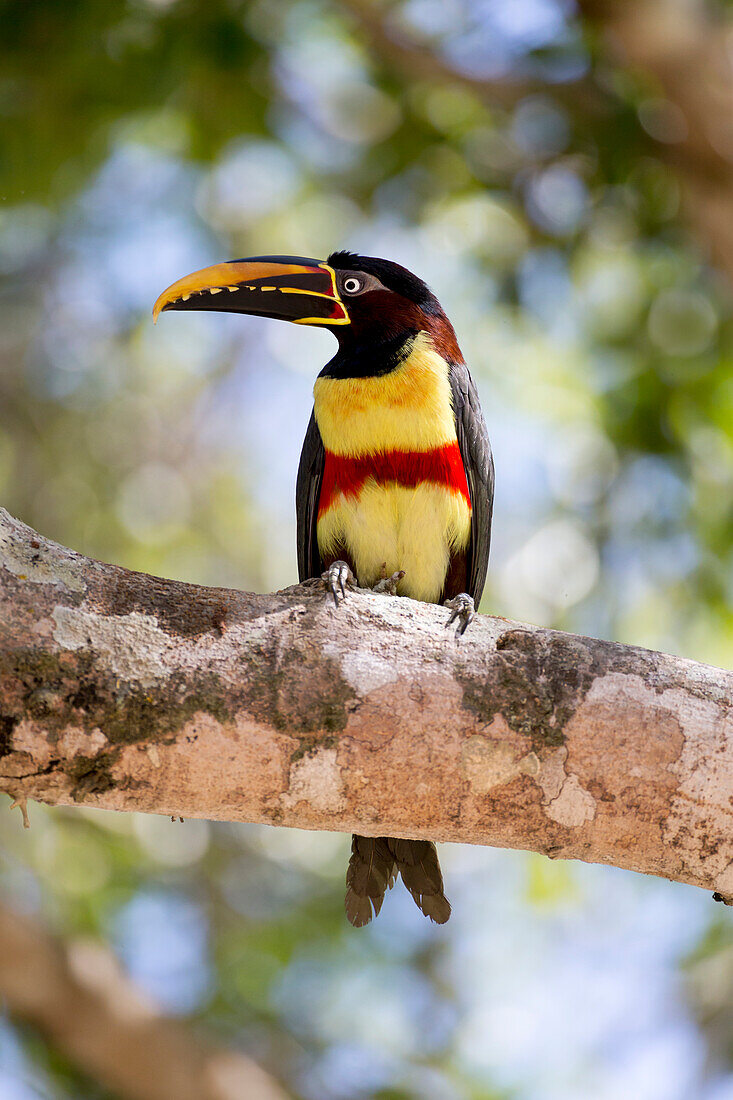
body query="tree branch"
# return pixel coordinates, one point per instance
(77, 996)
(135, 693)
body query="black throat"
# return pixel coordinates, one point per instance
(370, 360)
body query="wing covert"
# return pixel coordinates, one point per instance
(473, 441)
(307, 493)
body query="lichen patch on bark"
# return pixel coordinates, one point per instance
(132, 647)
(316, 779)
(488, 763)
(75, 741)
(626, 724)
(573, 806)
(703, 799)
(38, 560)
(536, 680)
(366, 672)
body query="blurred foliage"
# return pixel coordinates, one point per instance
(143, 139)
(75, 74)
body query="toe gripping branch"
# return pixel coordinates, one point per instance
(388, 585)
(337, 578)
(463, 610)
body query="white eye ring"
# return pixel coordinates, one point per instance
(352, 285)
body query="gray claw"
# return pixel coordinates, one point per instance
(389, 584)
(463, 609)
(337, 578)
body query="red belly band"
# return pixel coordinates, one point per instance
(439, 466)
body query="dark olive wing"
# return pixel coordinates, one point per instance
(473, 441)
(307, 492)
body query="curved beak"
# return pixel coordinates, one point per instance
(288, 287)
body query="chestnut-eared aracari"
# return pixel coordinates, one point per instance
(396, 478)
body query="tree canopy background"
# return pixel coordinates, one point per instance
(562, 185)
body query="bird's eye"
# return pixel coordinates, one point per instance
(352, 285)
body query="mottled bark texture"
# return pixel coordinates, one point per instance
(134, 693)
(76, 995)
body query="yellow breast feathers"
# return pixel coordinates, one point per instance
(409, 507)
(408, 409)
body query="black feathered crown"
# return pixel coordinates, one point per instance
(392, 275)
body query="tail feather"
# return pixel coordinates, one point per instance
(368, 877)
(373, 868)
(359, 911)
(417, 861)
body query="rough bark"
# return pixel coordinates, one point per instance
(130, 692)
(77, 996)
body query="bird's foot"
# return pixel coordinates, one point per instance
(462, 609)
(388, 585)
(337, 578)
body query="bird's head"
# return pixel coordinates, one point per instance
(363, 300)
